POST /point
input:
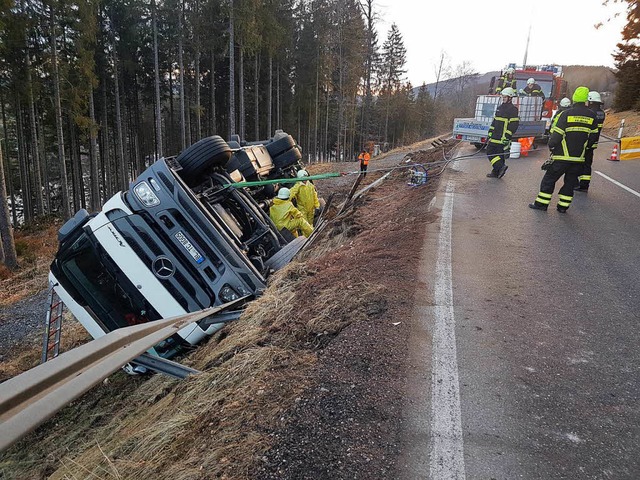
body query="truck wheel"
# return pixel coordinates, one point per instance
(202, 156)
(287, 158)
(283, 256)
(280, 146)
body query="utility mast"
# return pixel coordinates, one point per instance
(526, 50)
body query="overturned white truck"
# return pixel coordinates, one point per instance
(181, 239)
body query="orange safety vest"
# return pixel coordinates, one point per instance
(364, 158)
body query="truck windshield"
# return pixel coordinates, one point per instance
(104, 294)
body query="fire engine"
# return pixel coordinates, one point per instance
(535, 114)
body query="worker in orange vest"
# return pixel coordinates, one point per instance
(364, 158)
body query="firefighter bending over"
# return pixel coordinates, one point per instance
(286, 216)
(306, 198)
(504, 125)
(533, 89)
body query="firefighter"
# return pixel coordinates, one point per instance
(504, 125)
(364, 158)
(285, 215)
(563, 105)
(305, 195)
(506, 80)
(533, 89)
(574, 132)
(584, 179)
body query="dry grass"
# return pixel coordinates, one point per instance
(36, 247)
(213, 425)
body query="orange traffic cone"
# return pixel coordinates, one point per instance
(614, 153)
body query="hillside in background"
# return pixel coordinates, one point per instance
(598, 78)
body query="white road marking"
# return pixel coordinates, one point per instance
(447, 448)
(630, 190)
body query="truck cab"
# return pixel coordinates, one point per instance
(179, 240)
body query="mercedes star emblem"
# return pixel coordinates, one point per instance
(163, 267)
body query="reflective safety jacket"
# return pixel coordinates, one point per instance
(600, 115)
(285, 215)
(534, 90)
(575, 130)
(306, 197)
(504, 124)
(505, 81)
(364, 158)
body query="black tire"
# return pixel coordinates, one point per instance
(201, 157)
(280, 146)
(287, 158)
(285, 254)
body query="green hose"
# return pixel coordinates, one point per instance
(282, 180)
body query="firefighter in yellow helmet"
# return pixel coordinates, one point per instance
(575, 132)
(305, 195)
(285, 215)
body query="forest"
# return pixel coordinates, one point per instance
(93, 91)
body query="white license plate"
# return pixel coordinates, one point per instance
(189, 247)
(472, 138)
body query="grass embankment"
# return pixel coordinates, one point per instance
(212, 425)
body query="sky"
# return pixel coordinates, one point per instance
(562, 32)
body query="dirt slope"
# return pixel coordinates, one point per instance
(306, 385)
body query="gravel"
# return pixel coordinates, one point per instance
(22, 321)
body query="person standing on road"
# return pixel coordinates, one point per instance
(504, 125)
(584, 179)
(574, 132)
(364, 158)
(562, 106)
(285, 215)
(533, 89)
(306, 197)
(506, 80)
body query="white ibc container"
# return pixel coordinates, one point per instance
(515, 150)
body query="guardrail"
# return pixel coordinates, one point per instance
(34, 396)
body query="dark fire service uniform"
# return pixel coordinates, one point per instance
(534, 90)
(504, 125)
(585, 175)
(573, 134)
(505, 81)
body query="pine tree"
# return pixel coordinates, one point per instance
(628, 61)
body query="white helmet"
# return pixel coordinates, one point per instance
(284, 193)
(531, 81)
(508, 92)
(302, 173)
(510, 70)
(594, 97)
(565, 102)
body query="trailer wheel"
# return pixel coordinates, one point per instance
(202, 156)
(287, 158)
(280, 146)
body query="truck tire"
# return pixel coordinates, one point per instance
(280, 146)
(202, 156)
(287, 158)
(285, 254)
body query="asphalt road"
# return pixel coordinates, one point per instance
(531, 364)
